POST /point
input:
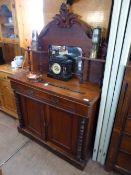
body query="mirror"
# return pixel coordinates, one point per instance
(65, 50)
(71, 52)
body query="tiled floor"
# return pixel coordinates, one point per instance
(29, 158)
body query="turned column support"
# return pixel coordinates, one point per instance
(21, 121)
(80, 139)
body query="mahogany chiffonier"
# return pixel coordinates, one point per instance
(61, 115)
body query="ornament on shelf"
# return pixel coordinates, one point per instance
(95, 42)
(31, 75)
(34, 42)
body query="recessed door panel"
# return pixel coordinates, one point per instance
(62, 129)
(33, 112)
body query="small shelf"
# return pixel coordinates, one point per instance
(95, 60)
(37, 51)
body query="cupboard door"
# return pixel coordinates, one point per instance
(7, 97)
(0, 95)
(33, 114)
(0, 99)
(62, 129)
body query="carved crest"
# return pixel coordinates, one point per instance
(65, 19)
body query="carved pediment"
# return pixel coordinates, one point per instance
(66, 29)
(65, 19)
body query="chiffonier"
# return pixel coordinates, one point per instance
(61, 115)
(119, 154)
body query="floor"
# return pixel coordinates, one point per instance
(21, 156)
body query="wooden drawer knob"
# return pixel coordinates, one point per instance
(55, 100)
(30, 92)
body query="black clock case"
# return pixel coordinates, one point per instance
(66, 68)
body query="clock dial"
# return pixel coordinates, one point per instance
(56, 68)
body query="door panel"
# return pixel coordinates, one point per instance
(7, 97)
(62, 129)
(33, 113)
(126, 143)
(0, 95)
(0, 99)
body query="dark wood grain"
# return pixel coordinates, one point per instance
(33, 113)
(19, 110)
(62, 129)
(119, 154)
(60, 119)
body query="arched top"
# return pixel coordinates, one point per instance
(4, 11)
(66, 29)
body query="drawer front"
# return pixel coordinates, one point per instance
(55, 100)
(4, 76)
(128, 125)
(81, 109)
(129, 108)
(126, 144)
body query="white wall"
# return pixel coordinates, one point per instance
(117, 56)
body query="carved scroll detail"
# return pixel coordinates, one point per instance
(65, 19)
(21, 121)
(80, 138)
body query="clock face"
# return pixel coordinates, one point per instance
(56, 68)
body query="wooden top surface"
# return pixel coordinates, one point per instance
(86, 93)
(7, 69)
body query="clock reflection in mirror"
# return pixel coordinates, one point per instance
(68, 52)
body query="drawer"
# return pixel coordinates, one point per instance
(124, 161)
(128, 125)
(81, 109)
(55, 100)
(4, 76)
(126, 144)
(129, 109)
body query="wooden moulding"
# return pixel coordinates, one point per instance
(93, 70)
